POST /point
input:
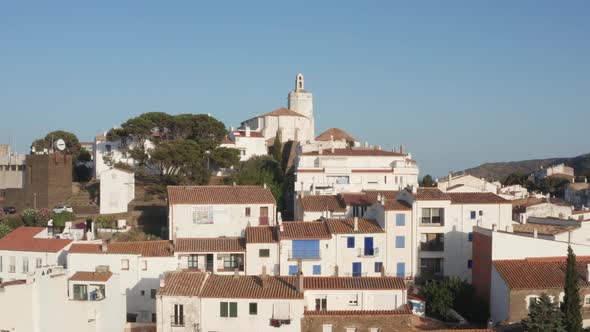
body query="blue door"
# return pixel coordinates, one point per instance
(369, 246)
(356, 269)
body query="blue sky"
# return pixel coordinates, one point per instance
(457, 82)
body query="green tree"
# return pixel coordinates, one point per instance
(225, 157)
(544, 316)
(440, 298)
(73, 146)
(427, 181)
(571, 306)
(514, 178)
(59, 219)
(277, 147)
(4, 230)
(260, 170)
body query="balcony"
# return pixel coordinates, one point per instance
(432, 242)
(304, 254)
(176, 321)
(355, 274)
(263, 221)
(368, 252)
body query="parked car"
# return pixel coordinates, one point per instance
(9, 210)
(62, 208)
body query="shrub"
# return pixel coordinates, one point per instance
(4, 229)
(14, 221)
(29, 216)
(59, 219)
(105, 222)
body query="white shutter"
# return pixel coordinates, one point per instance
(281, 311)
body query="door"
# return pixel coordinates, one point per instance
(263, 215)
(356, 269)
(369, 246)
(209, 266)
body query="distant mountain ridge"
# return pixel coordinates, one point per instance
(499, 171)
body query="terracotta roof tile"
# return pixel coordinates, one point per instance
(368, 197)
(542, 229)
(395, 205)
(23, 239)
(283, 112)
(346, 226)
(226, 140)
(91, 276)
(477, 198)
(545, 273)
(250, 287)
(320, 203)
(242, 133)
(293, 230)
(261, 234)
(355, 152)
(144, 248)
(219, 195)
(336, 133)
(182, 283)
(431, 194)
(406, 310)
(353, 283)
(222, 244)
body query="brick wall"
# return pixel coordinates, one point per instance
(482, 266)
(386, 323)
(518, 304)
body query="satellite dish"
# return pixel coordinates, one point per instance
(60, 144)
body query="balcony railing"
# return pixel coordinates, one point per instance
(356, 274)
(176, 321)
(368, 252)
(304, 254)
(432, 246)
(432, 221)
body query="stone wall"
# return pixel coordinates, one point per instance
(385, 323)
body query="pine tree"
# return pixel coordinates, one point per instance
(544, 316)
(571, 301)
(276, 148)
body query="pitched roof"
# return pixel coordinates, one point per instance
(221, 244)
(91, 276)
(540, 273)
(431, 194)
(368, 197)
(283, 112)
(477, 198)
(226, 140)
(250, 287)
(220, 195)
(542, 229)
(162, 248)
(261, 234)
(242, 133)
(293, 230)
(336, 133)
(406, 310)
(346, 226)
(182, 283)
(353, 283)
(354, 152)
(531, 201)
(23, 239)
(319, 203)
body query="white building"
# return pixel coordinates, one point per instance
(12, 168)
(117, 189)
(578, 194)
(107, 153)
(515, 191)
(559, 170)
(214, 211)
(540, 207)
(49, 301)
(349, 170)
(467, 183)
(27, 249)
(250, 143)
(222, 255)
(295, 123)
(262, 250)
(332, 138)
(306, 246)
(140, 265)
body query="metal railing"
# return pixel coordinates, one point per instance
(432, 246)
(176, 321)
(368, 252)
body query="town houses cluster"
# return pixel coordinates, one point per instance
(364, 236)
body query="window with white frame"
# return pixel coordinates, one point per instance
(25, 264)
(39, 262)
(12, 264)
(124, 264)
(587, 301)
(531, 299)
(353, 300)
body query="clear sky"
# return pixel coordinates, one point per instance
(458, 83)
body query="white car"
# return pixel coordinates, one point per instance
(62, 208)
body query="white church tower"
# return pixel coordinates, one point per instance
(301, 101)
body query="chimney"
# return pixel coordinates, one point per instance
(163, 282)
(332, 149)
(247, 131)
(493, 227)
(394, 148)
(332, 138)
(336, 270)
(450, 178)
(231, 129)
(510, 228)
(401, 148)
(414, 189)
(382, 270)
(234, 183)
(263, 271)
(378, 147)
(355, 225)
(103, 246)
(264, 185)
(299, 281)
(587, 272)
(535, 233)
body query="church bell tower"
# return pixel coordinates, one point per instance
(301, 101)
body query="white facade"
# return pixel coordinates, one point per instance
(326, 260)
(117, 189)
(12, 168)
(117, 151)
(467, 183)
(257, 262)
(250, 143)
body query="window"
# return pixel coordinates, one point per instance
(350, 329)
(400, 219)
(480, 213)
(469, 264)
(144, 265)
(432, 216)
(531, 299)
(292, 270)
(108, 147)
(369, 250)
(378, 266)
(80, 292)
(223, 309)
(233, 309)
(321, 303)
(473, 215)
(327, 328)
(124, 264)
(264, 253)
(248, 212)
(192, 261)
(25, 265)
(253, 308)
(153, 294)
(432, 241)
(401, 270)
(178, 318)
(154, 318)
(38, 263)
(586, 301)
(470, 236)
(317, 270)
(400, 242)
(12, 264)
(142, 292)
(309, 249)
(350, 242)
(353, 299)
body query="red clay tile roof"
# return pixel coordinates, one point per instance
(542, 229)
(395, 205)
(261, 234)
(346, 226)
(221, 244)
(283, 112)
(477, 198)
(226, 140)
(531, 201)
(336, 133)
(13, 283)
(365, 152)
(250, 287)
(219, 195)
(293, 230)
(544, 273)
(368, 197)
(242, 133)
(23, 239)
(182, 283)
(406, 310)
(320, 203)
(431, 194)
(353, 283)
(455, 186)
(91, 276)
(144, 248)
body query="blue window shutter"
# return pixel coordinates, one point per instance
(369, 246)
(400, 219)
(317, 270)
(292, 270)
(378, 266)
(306, 249)
(400, 242)
(469, 264)
(350, 242)
(357, 269)
(401, 270)
(473, 215)
(470, 237)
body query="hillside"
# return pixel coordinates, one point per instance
(498, 171)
